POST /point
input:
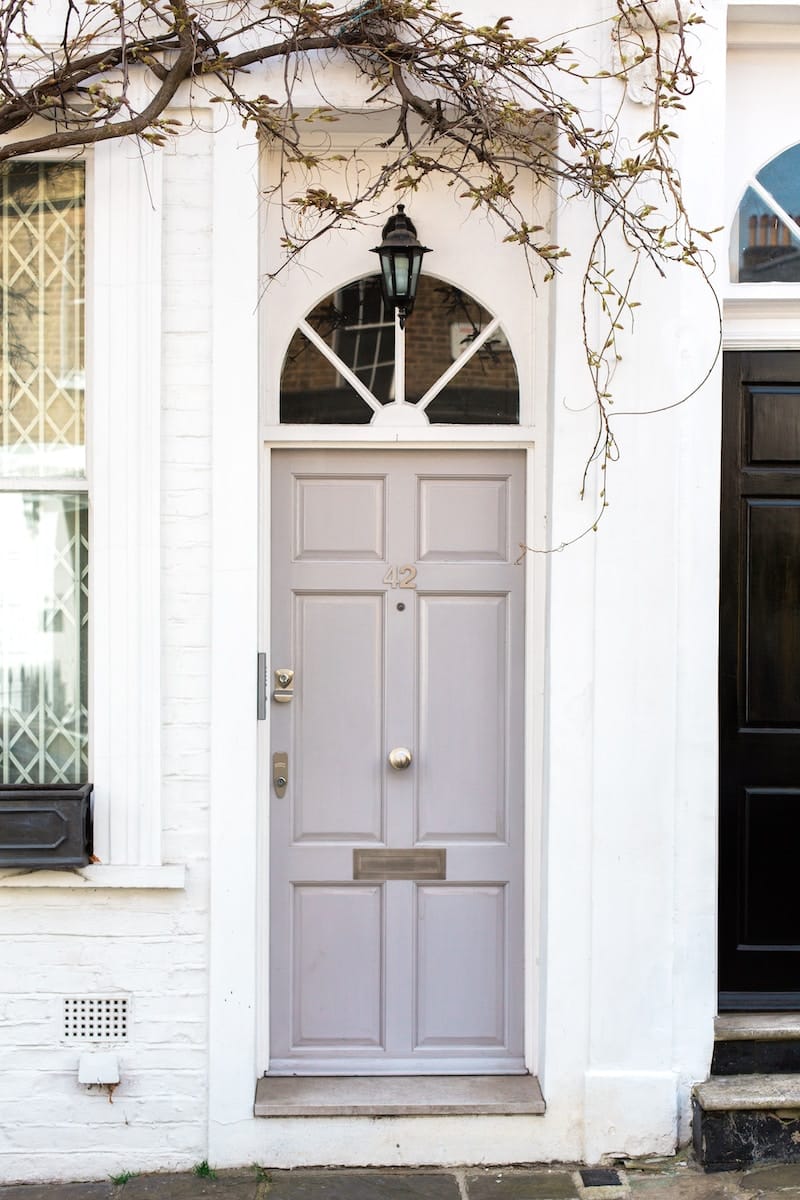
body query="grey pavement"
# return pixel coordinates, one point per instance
(654, 1179)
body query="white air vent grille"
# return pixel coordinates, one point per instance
(96, 1018)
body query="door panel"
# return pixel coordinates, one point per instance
(462, 780)
(463, 519)
(337, 977)
(398, 604)
(339, 519)
(759, 671)
(772, 696)
(337, 793)
(461, 935)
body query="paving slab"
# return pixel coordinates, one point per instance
(692, 1185)
(499, 1184)
(361, 1185)
(59, 1191)
(786, 1176)
(225, 1185)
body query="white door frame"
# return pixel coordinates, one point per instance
(534, 564)
(504, 287)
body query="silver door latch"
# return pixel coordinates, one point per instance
(284, 692)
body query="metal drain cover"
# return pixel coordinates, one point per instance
(600, 1177)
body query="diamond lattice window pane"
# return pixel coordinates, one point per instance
(43, 638)
(42, 209)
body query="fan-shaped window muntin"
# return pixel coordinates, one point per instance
(350, 363)
(765, 247)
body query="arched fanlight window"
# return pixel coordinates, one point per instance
(765, 246)
(349, 363)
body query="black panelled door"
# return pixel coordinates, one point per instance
(759, 902)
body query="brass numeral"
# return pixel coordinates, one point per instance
(401, 577)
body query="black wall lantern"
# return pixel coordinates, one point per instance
(401, 259)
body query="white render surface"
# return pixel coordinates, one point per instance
(131, 928)
(620, 696)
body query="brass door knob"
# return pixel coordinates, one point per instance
(400, 758)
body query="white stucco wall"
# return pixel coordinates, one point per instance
(622, 922)
(151, 945)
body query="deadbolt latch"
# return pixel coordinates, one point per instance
(280, 772)
(284, 691)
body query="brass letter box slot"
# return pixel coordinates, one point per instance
(399, 864)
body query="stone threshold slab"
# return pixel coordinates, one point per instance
(757, 1027)
(397, 1095)
(748, 1092)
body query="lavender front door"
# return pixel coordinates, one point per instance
(396, 839)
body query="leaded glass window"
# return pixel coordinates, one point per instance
(43, 501)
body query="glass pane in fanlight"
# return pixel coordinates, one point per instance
(444, 322)
(42, 278)
(764, 249)
(354, 323)
(43, 638)
(781, 178)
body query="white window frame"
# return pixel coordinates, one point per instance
(123, 436)
(762, 45)
(27, 482)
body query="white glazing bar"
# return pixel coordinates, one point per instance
(781, 213)
(463, 358)
(399, 361)
(355, 383)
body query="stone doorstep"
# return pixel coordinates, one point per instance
(397, 1095)
(747, 1027)
(749, 1093)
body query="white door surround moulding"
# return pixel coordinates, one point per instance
(237, 1013)
(234, 792)
(761, 322)
(535, 566)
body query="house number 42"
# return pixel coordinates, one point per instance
(402, 577)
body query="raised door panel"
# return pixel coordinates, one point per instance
(461, 968)
(463, 717)
(339, 518)
(337, 967)
(463, 519)
(772, 605)
(338, 710)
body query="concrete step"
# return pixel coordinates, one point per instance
(756, 1043)
(737, 1027)
(743, 1120)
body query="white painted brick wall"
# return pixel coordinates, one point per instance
(150, 945)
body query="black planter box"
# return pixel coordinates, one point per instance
(46, 826)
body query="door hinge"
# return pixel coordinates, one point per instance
(262, 696)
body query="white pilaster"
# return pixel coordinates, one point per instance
(124, 359)
(234, 541)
